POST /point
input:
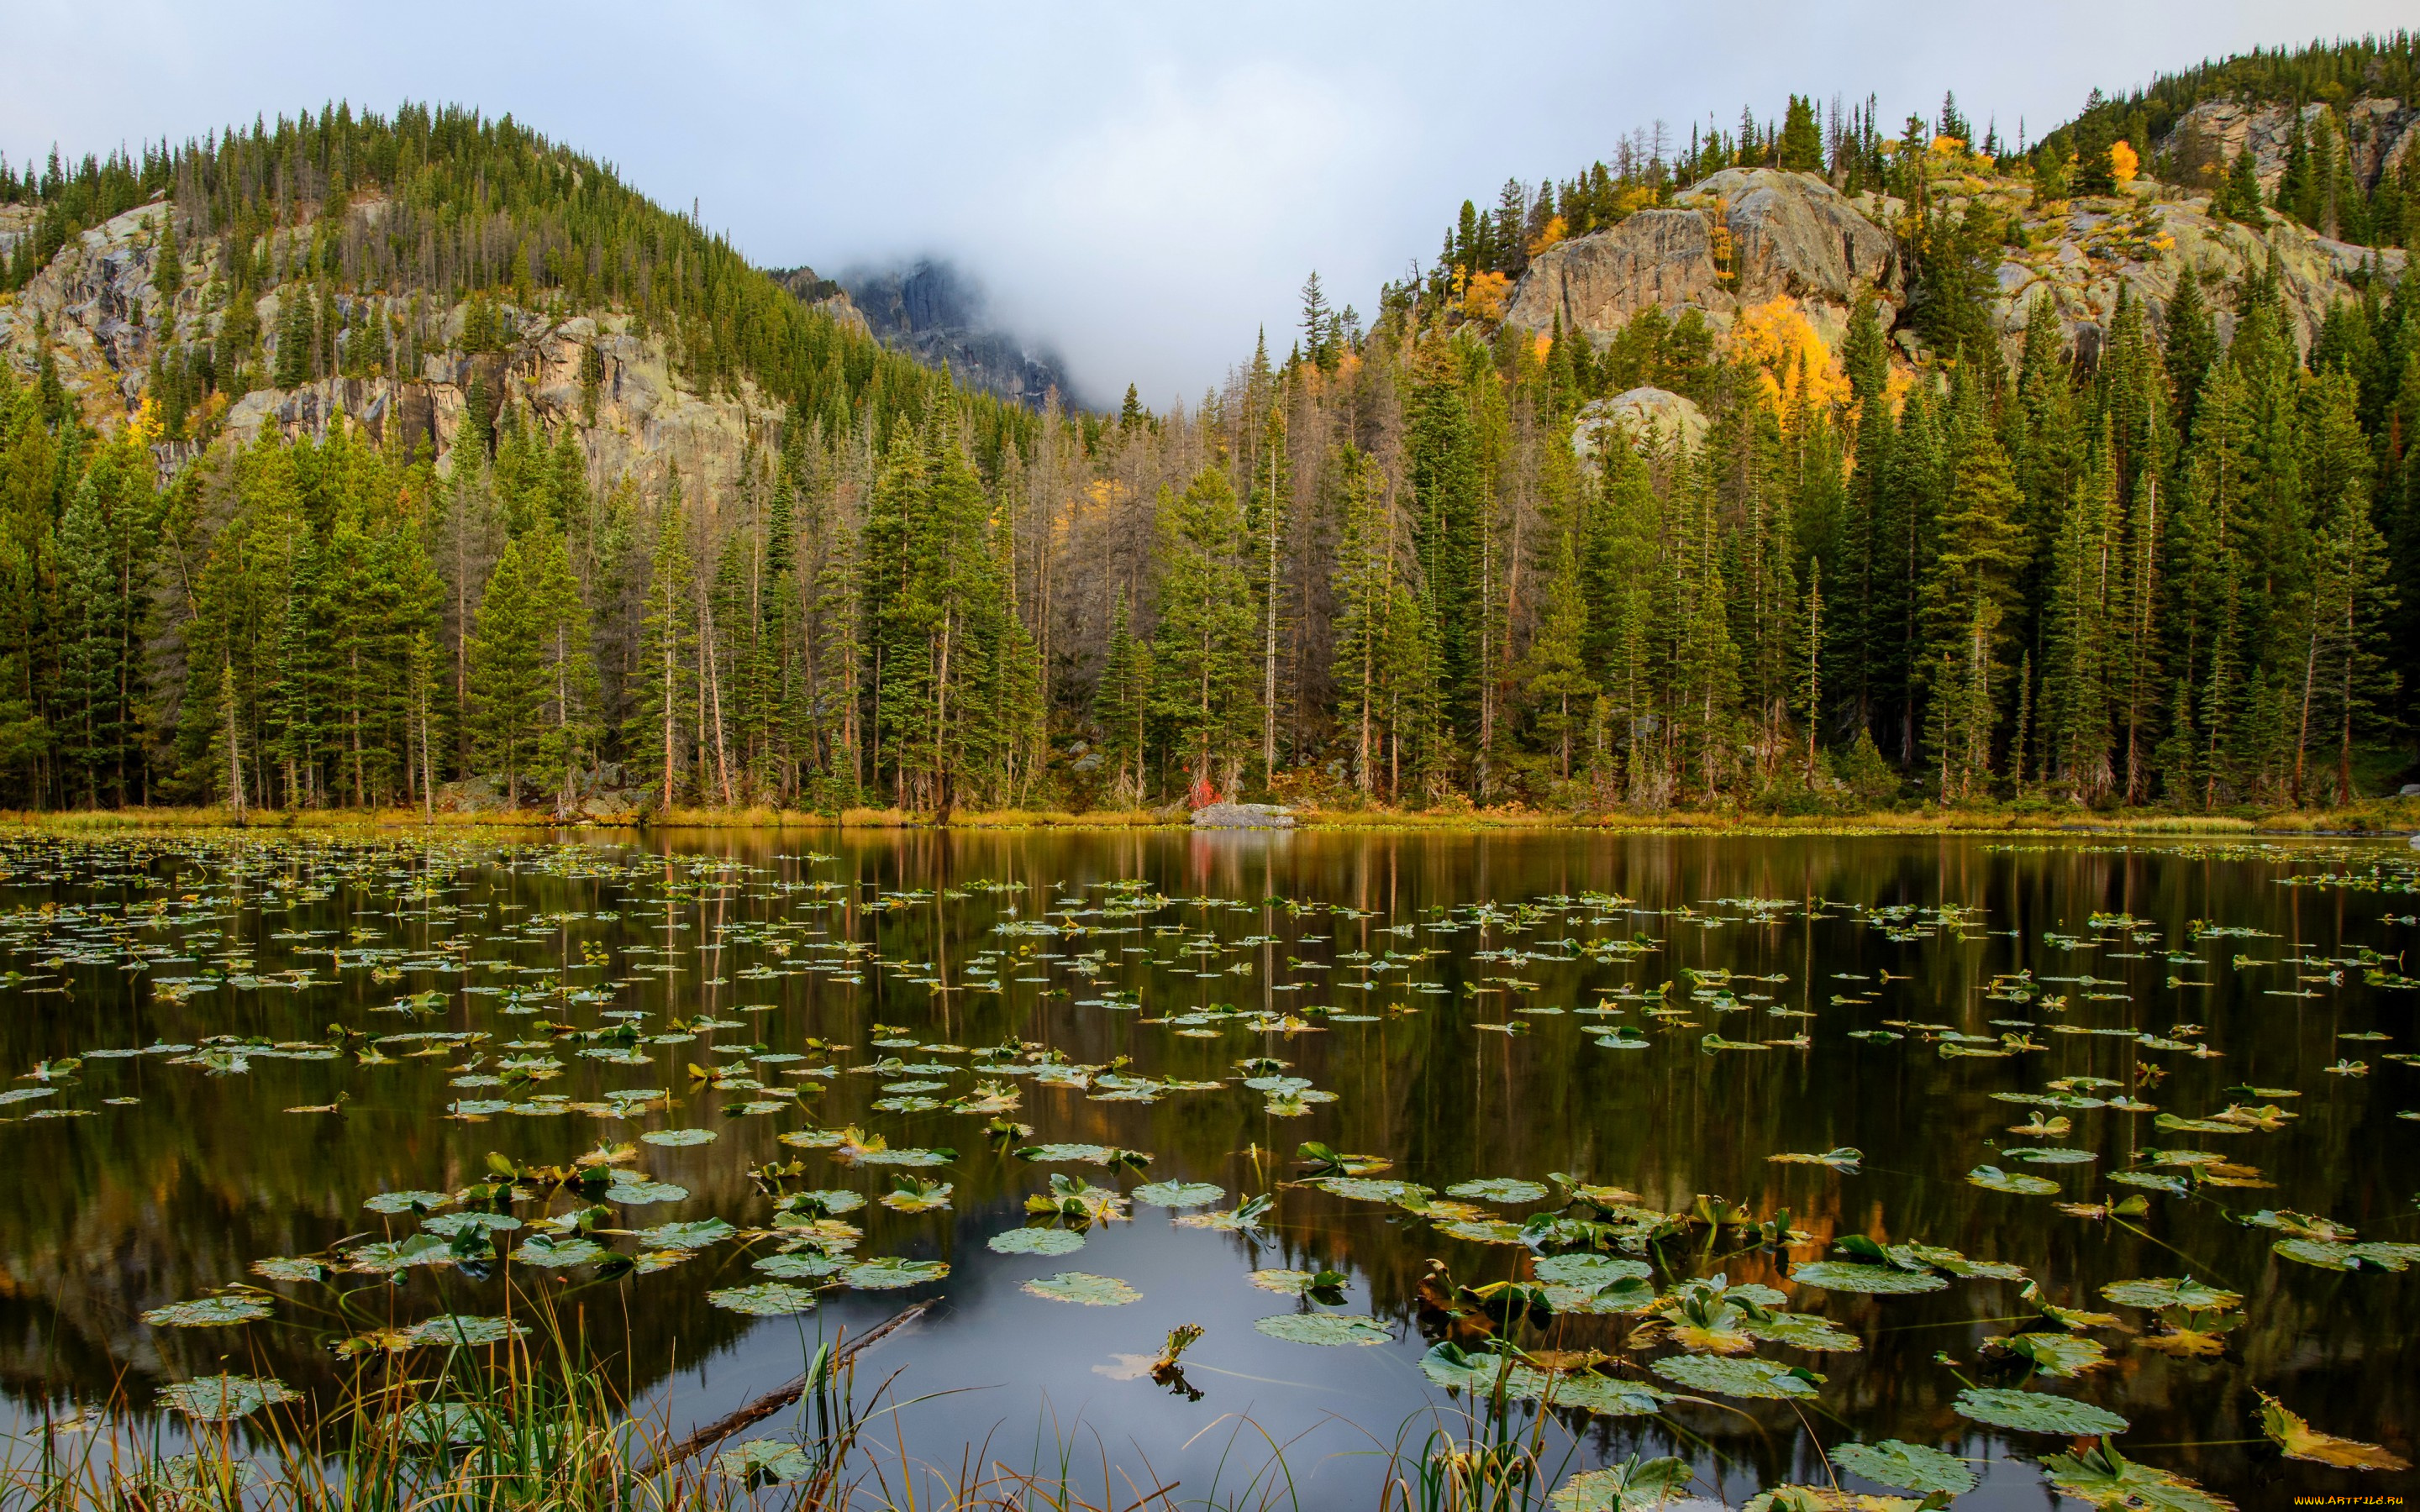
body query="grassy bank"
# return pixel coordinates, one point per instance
(2379, 816)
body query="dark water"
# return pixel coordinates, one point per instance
(176, 939)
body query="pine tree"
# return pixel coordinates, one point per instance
(1554, 668)
(665, 679)
(1802, 144)
(1203, 650)
(1120, 704)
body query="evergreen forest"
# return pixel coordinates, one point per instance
(1393, 559)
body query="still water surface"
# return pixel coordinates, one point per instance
(1660, 1015)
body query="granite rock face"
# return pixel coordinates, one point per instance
(1737, 237)
(2372, 134)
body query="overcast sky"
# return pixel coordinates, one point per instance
(1141, 185)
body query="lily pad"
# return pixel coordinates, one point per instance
(1880, 1280)
(1911, 1467)
(464, 1329)
(406, 1201)
(641, 1194)
(1635, 1485)
(1036, 1241)
(1589, 1270)
(801, 1265)
(1325, 1328)
(1738, 1376)
(766, 1461)
(224, 1398)
(892, 1271)
(1084, 1287)
(2172, 1291)
(210, 1312)
(556, 1251)
(678, 1137)
(1178, 1194)
(766, 1299)
(696, 1235)
(2035, 1412)
(1498, 1189)
(1992, 1178)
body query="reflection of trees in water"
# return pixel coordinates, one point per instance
(109, 1216)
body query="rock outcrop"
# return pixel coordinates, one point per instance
(1645, 418)
(1737, 237)
(937, 315)
(1741, 237)
(106, 320)
(1243, 816)
(2373, 135)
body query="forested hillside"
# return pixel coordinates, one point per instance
(1808, 466)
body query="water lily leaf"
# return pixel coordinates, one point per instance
(385, 1258)
(1842, 1158)
(1483, 1231)
(642, 1194)
(1738, 1376)
(1084, 1288)
(2056, 1355)
(1178, 1194)
(892, 1272)
(1839, 1275)
(465, 1329)
(1325, 1328)
(406, 1201)
(803, 1265)
(1911, 1467)
(283, 1268)
(1959, 1265)
(1036, 1241)
(695, 1235)
(766, 1461)
(2386, 1256)
(2154, 1182)
(224, 1398)
(1589, 1270)
(1587, 1392)
(678, 1137)
(2171, 1291)
(766, 1299)
(452, 1224)
(210, 1312)
(2297, 1440)
(2104, 1478)
(1498, 1189)
(556, 1250)
(2320, 1252)
(2035, 1412)
(1450, 1366)
(1369, 1189)
(2049, 1154)
(1802, 1331)
(917, 1158)
(1637, 1486)
(1992, 1178)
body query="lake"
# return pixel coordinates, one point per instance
(2027, 1070)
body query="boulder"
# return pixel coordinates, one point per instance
(1243, 816)
(1639, 416)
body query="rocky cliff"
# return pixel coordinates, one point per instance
(1744, 236)
(2372, 136)
(105, 319)
(935, 314)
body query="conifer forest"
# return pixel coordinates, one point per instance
(367, 518)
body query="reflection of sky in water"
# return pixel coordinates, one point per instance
(164, 1198)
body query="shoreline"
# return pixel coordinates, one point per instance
(2374, 819)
